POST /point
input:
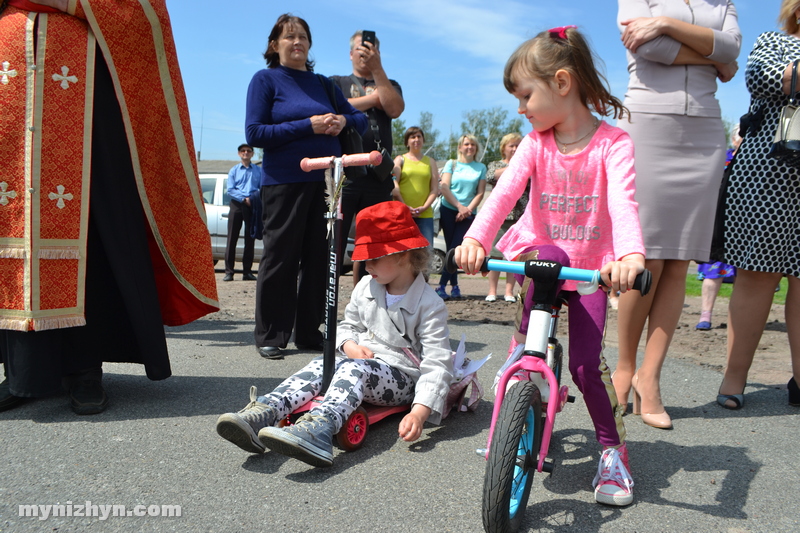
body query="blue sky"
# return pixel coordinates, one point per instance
(448, 55)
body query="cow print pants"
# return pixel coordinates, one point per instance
(354, 381)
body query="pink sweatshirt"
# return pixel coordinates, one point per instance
(582, 203)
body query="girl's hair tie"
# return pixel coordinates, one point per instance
(561, 31)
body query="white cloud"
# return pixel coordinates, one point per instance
(488, 31)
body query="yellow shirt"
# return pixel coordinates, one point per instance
(415, 183)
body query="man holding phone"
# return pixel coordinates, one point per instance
(371, 91)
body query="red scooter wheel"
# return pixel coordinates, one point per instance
(354, 431)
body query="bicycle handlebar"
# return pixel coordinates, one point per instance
(352, 160)
(526, 268)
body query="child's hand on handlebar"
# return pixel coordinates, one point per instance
(621, 275)
(469, 256)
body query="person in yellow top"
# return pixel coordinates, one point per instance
(416, 181)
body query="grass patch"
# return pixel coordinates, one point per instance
(694, 288)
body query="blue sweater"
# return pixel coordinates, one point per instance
(280, 102)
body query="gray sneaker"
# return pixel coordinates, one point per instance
(242, 428)
(310, 439)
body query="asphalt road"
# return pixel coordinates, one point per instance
(718, 470)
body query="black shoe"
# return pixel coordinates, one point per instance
(87, 396)
(313, 347)
(8, 400)
(248, 276)
(794, 393)
(228, 277)
(270, 352)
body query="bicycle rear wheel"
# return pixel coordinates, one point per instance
(512, 459)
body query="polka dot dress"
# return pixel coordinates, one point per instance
(762, 216)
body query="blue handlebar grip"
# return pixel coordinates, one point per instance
(642, 283)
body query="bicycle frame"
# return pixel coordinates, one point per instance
(541, 333)
(532, 363)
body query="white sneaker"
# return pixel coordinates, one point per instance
(613, 483)
(491, 298)
(510, 298)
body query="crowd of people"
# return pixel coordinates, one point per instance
(654, 211)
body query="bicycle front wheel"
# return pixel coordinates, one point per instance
(512, 458)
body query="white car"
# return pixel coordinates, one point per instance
(217, 204)
(439, 252)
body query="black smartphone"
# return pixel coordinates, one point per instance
(368, 36)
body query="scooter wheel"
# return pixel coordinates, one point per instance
(354, 431)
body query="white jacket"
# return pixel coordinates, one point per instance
(418, 322)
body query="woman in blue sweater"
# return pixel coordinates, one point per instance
(290, 116)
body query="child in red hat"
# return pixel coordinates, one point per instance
(394, 320)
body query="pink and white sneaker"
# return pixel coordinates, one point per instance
(512, 345)
(613, 483)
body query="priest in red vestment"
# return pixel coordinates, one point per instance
(102, 227)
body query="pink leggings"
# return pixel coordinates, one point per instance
(587, 322)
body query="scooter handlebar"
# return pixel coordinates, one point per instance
(642, 283)
(352, 160)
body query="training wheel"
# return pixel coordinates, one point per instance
(354, 431)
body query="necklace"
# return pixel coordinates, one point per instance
(564, 145)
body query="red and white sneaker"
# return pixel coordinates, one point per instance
(613, 483)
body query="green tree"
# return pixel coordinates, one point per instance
(489, 126)
(398, 129)
(434, 147)
(728, 124)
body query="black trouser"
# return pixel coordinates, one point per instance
(238, 214)
(357, 195)
(290, 292)
(123, 316)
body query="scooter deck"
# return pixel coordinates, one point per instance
(375, 413)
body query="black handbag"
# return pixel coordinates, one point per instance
(717, 253)
(349, 138)
(384, 169)
(750, 122)
(786, 146)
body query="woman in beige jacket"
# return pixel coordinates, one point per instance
(677, 49)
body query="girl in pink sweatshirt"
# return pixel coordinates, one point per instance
(581, 213)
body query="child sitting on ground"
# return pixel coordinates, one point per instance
(390, 311)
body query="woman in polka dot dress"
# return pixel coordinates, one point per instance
(762, 214)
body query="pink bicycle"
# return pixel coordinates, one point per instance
(529, 393)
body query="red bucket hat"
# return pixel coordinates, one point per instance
(384, 229)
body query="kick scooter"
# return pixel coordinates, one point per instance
(354, 431)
